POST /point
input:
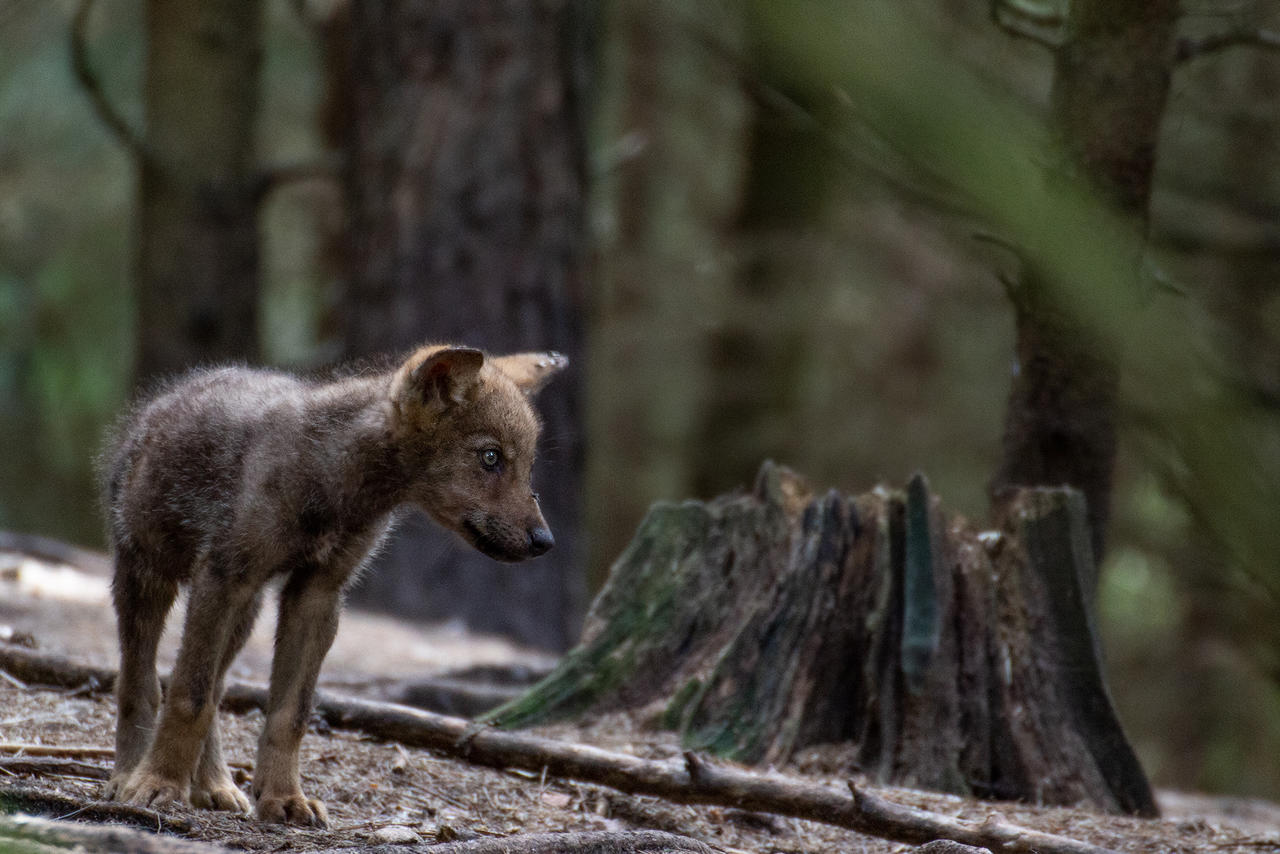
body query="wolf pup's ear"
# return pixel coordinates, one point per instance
(445, 376)
(530, 371)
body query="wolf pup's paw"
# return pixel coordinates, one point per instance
(295, 808)
(147, 789)
(111, 788)
(222, 795)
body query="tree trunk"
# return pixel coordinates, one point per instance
(465, 186)
(759, 349)
(763, 623)
(1111, 82)
(197, 228)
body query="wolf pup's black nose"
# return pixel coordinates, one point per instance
(540, 541)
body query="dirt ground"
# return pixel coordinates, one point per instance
(377, 790)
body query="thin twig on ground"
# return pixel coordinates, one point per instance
(67, 750)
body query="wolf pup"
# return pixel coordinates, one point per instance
(231, 477)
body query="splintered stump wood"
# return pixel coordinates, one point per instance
(761, 623)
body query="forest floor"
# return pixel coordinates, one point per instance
(378, 791)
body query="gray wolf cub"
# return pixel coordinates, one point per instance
(230, 477)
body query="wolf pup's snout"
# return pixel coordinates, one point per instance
(503, 541)
(540, 540)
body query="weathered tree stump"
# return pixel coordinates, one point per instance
(765, 622)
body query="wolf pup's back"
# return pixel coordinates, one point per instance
(176, 463)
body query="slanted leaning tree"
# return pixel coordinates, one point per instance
(1112, 65)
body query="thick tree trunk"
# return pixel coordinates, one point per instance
(1111, 82)
(465, 190)
(197, 227)
(763, 623)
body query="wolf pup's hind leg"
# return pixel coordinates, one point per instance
(142, 600)
(212, 785)
(213, 609)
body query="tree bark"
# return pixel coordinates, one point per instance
(197, 223)
(1110, 85)
(465, 185)
(760, 624)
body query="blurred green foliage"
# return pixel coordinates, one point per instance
(849, 275)
(66, 190)
(66, 309)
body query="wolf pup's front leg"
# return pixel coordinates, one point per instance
(305, 628)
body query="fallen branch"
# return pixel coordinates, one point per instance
(49, 550)
(84, 750)
(43, 668)
(448, 695)
(580, 842)
(26, 833)
(690, 781)
(38, 802)
(52, 766)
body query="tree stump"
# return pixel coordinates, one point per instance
(764, 622)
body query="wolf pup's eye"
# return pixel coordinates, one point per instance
(490, 459)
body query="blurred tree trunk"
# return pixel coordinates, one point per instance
(1110, 85)
(465, 187)
(197, 227)
(756, 356)
(673, 124)
(1218, 226)
(1244, 277)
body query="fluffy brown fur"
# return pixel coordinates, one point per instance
(231, 477)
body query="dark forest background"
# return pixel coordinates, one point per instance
(830, 234)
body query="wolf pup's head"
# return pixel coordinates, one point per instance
(466, 430)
